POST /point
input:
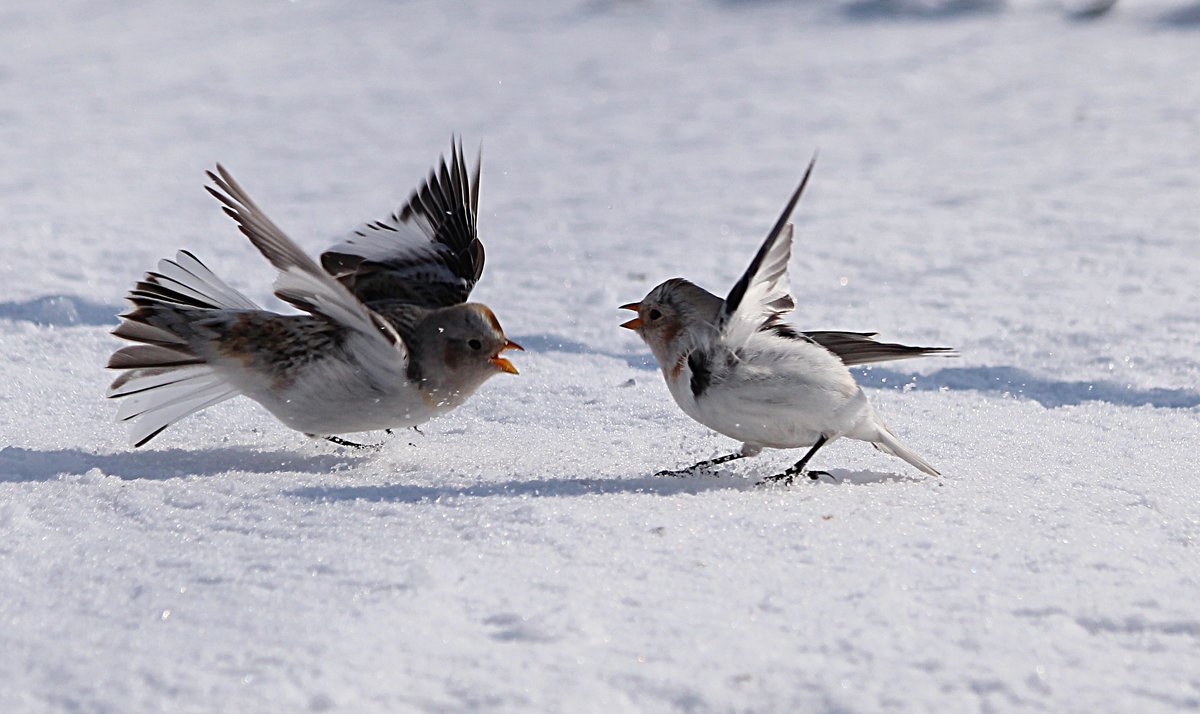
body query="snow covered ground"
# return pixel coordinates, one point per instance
(993, 176)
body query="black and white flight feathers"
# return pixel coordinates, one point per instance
(762, 297)
(428, 253)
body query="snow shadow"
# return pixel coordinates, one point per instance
(576, 487)
(558, 343)
(918, 9)
(18, 464)
(524, 488)
(1019, 383)
(1186, 17)
(60, 311)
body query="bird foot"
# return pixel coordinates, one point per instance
(352, 444)
(681, 473)
(788, 477)
(704, 466)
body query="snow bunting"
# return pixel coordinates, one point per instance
(734, 366)
(388, 339)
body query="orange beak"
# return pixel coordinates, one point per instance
(636, 322)
(502, 364)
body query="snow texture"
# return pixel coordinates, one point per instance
(1018, 180)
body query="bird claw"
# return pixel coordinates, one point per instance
(787, 478)
(707, 465)
(352, 444)
(681, 473)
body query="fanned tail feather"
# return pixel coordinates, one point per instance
(164, 379)
(150, 411)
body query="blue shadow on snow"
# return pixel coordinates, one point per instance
(60, 311)
(1019, 383)
(1183, 18)
(18, 464)
(911, 10)
(573, 487)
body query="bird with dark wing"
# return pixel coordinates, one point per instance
(387, 338)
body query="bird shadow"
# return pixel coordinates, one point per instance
(18, 464)
(577, 487)
(523, 488)
(59, 311)
(1185, 17)
(1011, 381)
(909, 10)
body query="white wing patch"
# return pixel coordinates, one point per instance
(428, 253)
(767, 297)
(392, 238)
(407, 248)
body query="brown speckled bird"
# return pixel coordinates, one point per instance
(388, 339)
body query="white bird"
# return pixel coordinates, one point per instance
(734, 366)
(388, 339)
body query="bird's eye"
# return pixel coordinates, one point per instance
(475, 345)
(655, 314)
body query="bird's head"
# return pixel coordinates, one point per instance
(460, 348)
(673, 317)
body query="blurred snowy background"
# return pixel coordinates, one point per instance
(1016, 179)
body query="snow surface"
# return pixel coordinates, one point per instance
(997, 177)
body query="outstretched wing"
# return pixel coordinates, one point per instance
(762, 296)
(428, 253)
(301, 281)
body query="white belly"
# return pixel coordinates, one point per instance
(777, 410)
(331, 397)
(342, 411)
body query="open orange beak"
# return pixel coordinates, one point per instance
(502, 364)
(636, 322)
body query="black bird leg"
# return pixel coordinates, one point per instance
(799, 468)
(691, 470)
(352, 444)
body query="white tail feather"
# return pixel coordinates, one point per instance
(141, 380)
(163, 381)
(889, 444)
(135, 405)
(157, 407)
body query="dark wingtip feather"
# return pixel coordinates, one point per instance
(855, 348)
(734, 299)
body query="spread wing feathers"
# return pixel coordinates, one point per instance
(426, 254)
(762, 295)
(301, 281)
(861, 348)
